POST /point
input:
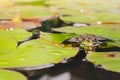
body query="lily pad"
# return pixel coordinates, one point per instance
(85, 4)
(19, 34)
(108, 60)
(93, 17)
(6, 41)
(31, 53)
(34, 11)
(41, 2)
(34, 53)
(108, 31)
(11, 75)
(56, 37)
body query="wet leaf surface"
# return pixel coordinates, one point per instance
(56, 37)
(93, 17)
(109, 60)
(11, 75)
(33, 53)
(4, 43)
(19, 34)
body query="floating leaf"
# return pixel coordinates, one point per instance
(105, 59)
(6, 41)
(34, 53)
(108, 31)
(93, 17)
(11, 75)
(19, 34)
(56, 37)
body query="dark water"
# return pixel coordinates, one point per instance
(82, 70)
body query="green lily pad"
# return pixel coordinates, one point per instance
(54, 37)
(108, 60)
(11, 75)
(31, 53)
(93, 17)
(85, 4)
(108, 31)
(34, 11)
(6, 41)
(34, 53)
(19, 34)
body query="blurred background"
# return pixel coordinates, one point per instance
(96, 17)
(39, 8)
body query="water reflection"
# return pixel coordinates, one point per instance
(81, 70)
